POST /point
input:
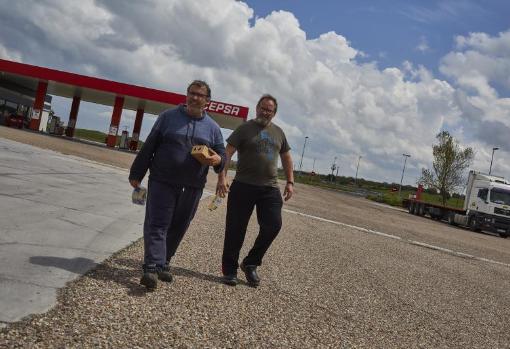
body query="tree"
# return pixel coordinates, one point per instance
(449, 164)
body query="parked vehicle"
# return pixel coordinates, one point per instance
(14, 120)
(486, 205)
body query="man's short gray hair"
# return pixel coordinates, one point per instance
(200, 83)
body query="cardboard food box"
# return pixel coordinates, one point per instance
(202, 153)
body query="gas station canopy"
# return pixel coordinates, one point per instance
(105, 92)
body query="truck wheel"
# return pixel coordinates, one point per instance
(451, 218)
(473, 225)
(504, 235)
(421, 210)
(410, 208)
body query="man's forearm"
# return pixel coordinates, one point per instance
(229, 152)
(219, 149)
(289, 173)
(143, 159)
(227, 164)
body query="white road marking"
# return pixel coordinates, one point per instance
(394, 237)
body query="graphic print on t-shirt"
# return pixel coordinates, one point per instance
(265, 145)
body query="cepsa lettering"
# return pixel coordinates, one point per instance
(223, 108)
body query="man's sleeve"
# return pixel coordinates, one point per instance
(285, 146)
(144, 157)
(235, 138)
(219, 148)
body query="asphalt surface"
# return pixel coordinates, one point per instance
(61, 216)
(343, 273)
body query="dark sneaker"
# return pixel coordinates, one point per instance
(149, 280)
(230, 280)
(250, 271)
(164, 273)
(150, 277)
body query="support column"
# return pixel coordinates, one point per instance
(38, 105)
(111, 140)
(73, 115)
(133, 145)
(419, 191)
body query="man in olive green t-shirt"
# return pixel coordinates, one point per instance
(259, 143)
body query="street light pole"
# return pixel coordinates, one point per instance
(302, 154)
(492, 157)
(402, 178)
(357, 167)
(333, 167)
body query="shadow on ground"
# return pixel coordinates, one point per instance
(77, 265)
(127, 272)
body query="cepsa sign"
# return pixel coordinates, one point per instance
(228, 109)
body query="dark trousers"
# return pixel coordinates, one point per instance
(241, 201)
(168, 214)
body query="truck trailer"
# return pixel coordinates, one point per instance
(486, 205)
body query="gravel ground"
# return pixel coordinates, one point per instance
(323, 285)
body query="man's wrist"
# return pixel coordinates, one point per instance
(290, 182)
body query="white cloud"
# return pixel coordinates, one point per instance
(479, 61)
(446, 10)
(423, 46)
(494, 46)
(480, 70)
(11, 55)
(345, 107)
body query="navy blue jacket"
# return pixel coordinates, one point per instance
(167, 150)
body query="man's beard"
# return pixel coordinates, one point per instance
(194, 109)
(262, 121)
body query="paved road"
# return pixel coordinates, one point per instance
(60, 217)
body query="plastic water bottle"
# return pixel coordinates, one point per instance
(139, 195)
(215, 202)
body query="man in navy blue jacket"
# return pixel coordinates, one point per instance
(176, 179)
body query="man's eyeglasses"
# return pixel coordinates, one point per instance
(265, 110)
(196, 94)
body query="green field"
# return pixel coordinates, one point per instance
(381, 192)
(392, 198)
(90, 135)
(96, 136)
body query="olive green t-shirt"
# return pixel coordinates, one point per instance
(258, 150)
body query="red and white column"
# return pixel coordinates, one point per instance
(38, 105)
(419, 191)
(111, 139)
(133, 145)
(73, 115)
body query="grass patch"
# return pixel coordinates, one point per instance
(96, 136)
(456, 202)
(90, 135)
(386, 193)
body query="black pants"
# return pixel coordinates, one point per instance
(241, 201)
(168, 214)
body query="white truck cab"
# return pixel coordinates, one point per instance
(487, 203)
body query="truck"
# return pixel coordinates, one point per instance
(486, 205)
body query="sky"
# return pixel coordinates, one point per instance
(376, 79)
